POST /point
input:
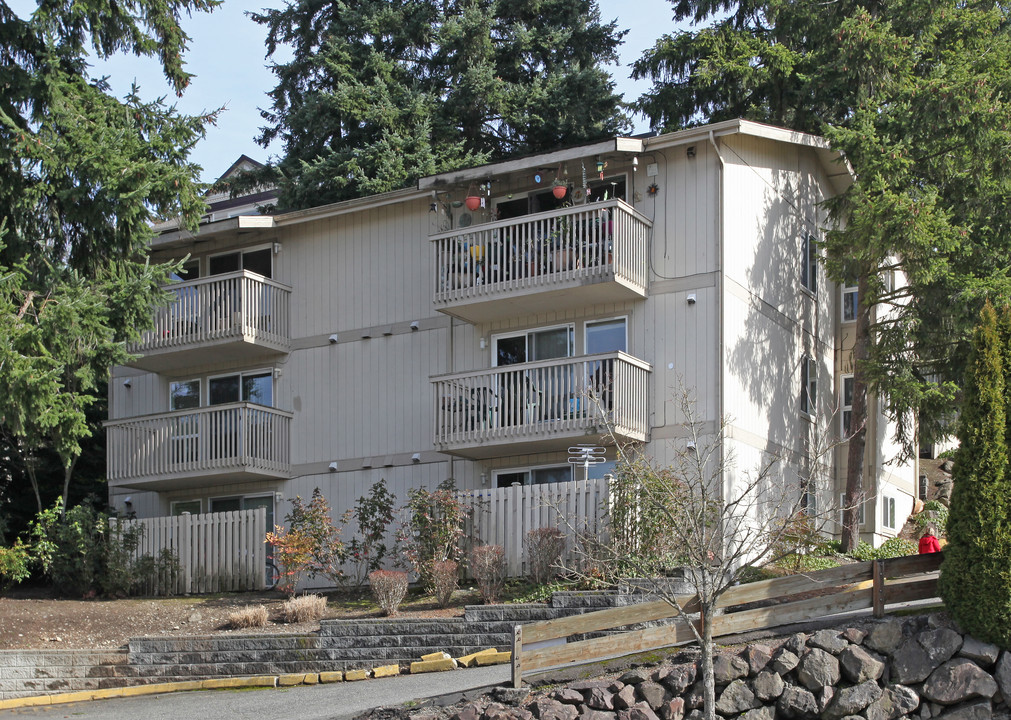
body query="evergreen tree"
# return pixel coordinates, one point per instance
(379, 93)
(915, 94)
(976, 574)
(83, 175)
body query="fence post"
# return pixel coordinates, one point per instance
(185, 539)
(517, 648)
(878, 591)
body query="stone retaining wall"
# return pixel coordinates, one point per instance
(921, 668)
(339, 645)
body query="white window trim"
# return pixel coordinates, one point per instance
(809, 268)
(172, 505)
(495, 337)
(597, 321)
(809, 362)
(529, 469)
(242, 373)
(861, 515)
(889, 506)
(848, 290)
(844, 432)
(200, 389)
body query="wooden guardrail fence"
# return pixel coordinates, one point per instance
(860, 586)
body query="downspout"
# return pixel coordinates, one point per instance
(452, 367)
(721, 365)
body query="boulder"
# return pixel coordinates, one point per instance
(958, 681)
(694, 696)
(852, 700)
(736, 698)
(597, 715)
(676, 678)
(673, 709)
(637, 712)
(980, 710)
(796, 644)
(765, 712)
(653, 694)
(599, 698)
(547, 709)
(830, 641)
(824, 697)
(796, 702)
(727, 668)
(470, 711)
(567, 696)
(767, 685)
(941, 644)
(1002, 673)
(818, 669)
(510, 695)
(858, 664)
(895, 701)
(635, 676)
(854, 635)
(910, 663)
(625, 698)
(785, 661)
(885, 637)
(981, 653)
(757, 657)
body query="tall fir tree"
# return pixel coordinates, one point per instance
(915, 93)
(975, 580)
(379, 93)
(83, 175)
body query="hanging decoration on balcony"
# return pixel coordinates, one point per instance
(561, 186)
(473, 200)
(653, 189)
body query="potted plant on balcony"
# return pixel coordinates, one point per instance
(473, 200)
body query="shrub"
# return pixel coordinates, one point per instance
(249, 617)
(544, 551)
(373, 513)
(487, 564)
(311, 545)
(935, 514)
(432, 530)
(896, 547)
(388, 588)
(14, 564)
(444, 581)
(304, 608)
(863, 552)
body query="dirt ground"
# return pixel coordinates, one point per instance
(34, 620)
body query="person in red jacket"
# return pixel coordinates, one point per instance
(928, 541)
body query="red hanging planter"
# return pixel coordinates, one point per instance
(559, 191)
(473, 202)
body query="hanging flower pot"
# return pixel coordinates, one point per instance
(559, 191)
(473, 202)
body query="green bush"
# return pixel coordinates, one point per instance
(863, 552)
(896, 547)
(934, 513)
(14, 564)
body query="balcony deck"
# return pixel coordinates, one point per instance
(205, 446)
(545, 406)
(568, 258)
(243, 316)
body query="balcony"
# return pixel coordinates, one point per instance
(238, 442)
(545, 406)
(243, 316)
(563, 259)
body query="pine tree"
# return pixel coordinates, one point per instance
(975, 578)
(379, 93)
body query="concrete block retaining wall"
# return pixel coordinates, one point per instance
(339, 645)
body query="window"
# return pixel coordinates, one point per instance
(923, 487)
(849, 301)
(255, 387)
(258, 261)
(540, 344)
(533, 476)
(808, 498)
(181, 507)
(809, 260)
(808, 384)
(184, 394)
(606, 336)
(846, 404)
(185, 446)
(888, 512)
(842, 507)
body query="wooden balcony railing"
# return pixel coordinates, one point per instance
(238, 437)
(240, 305)
(608, 391)
(603, 240)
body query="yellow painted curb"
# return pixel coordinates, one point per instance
(331, 677)
(138, 690)
(471, 659)
(289, 680)
(28, 701)
(352, 675)
(235, 682)
(435, 656)
(311, 679)
(497, 658)
(425, 666)
(385, 671)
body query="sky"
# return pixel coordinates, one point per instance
(227, 57)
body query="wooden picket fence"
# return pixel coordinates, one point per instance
(504, 516)
(216, 552)
(861, 586)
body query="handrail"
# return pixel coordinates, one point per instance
(553, 362)
(197, 411)
(859, 586)
(226, 276)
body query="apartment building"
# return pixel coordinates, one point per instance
(456, 329)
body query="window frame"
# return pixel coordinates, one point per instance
(861, 513)
(529, 470)
(175, 503)
(808, 385)
(200, 393)
(268, 371)
(496, 337)
(600, 321)
(845, 420)
(809, 263)
(240, 252)
(888, 512)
